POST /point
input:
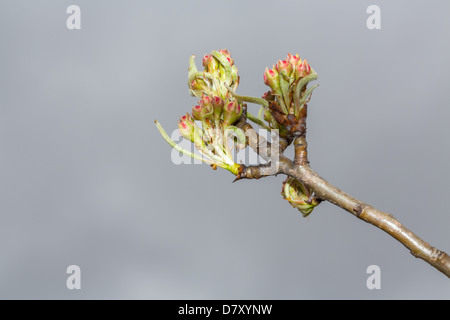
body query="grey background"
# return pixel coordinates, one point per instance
(86, 179)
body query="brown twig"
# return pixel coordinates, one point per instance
(382, 220)
(301, 151)
(256, 172)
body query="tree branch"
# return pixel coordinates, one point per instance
(263, 147)
(290, 114)
(301, 151)
(386, 222)
(258, 171)
(300, 170)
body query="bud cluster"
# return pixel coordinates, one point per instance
(287, 80)
(219, 74)
(217, 110)
(292, 68)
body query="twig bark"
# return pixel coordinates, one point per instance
(256, 172)
(301, 151)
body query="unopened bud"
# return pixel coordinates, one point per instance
(186, 127)
(271, 78)
(294, 60)
(231, 113)
(302, 69)
(284, 65)
(205, 59)
(217, 104)
(199, 87)
(210, 63)
(203, 109)
(299, 196)
(227, 55)
(205, 101)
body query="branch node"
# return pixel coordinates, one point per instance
(358, 209)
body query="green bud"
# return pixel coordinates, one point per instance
(227, 55)
(199, 87)
(203, 110)
(294, 60)
(210, 63)
(299, 196)
(284, 65)
(272, 79)
(231, 113)
(217, 104)
(302, 69)
(186, 127)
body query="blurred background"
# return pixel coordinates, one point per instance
(86, 179)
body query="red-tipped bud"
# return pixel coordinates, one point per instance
(210, 63)
(231, 106)
(227, 55)
(284, 65)
(197, 112)
(218, 101)
(271, 78)
(203, 109)
(186, 127)
(307, 67)
(302, 69)
(217, 104)
(205, 102)
(294, 60)
(231, 113)
(205, 59)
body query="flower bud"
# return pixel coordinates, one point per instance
(199, 87)
(210, 63)
(227, 55)
(203, 109)
(271, 78)
(186, 127)
(217, 104)
(294, 60)
(205, 101)
(206, 57)
(299, 196)
(284, 65)
(231, 113)
(302, 69)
